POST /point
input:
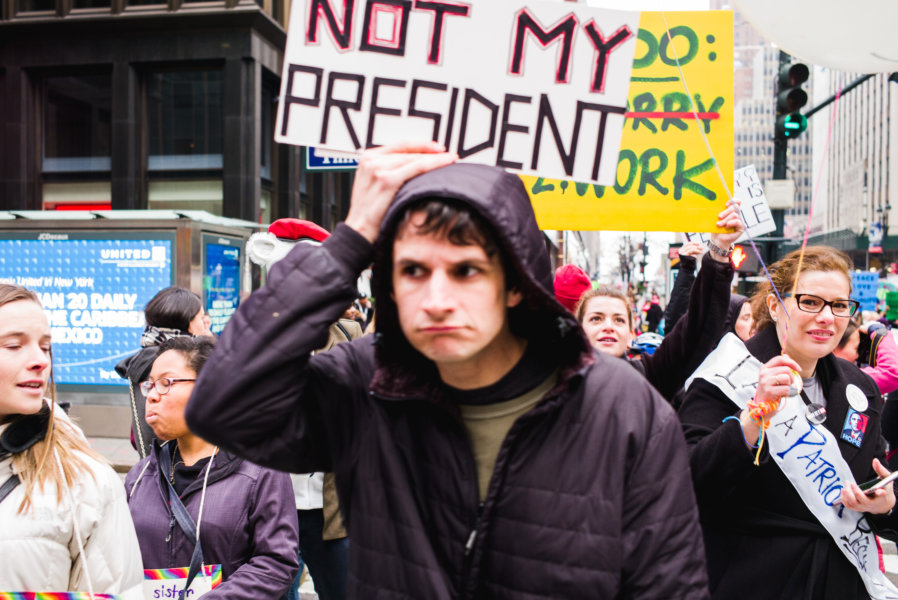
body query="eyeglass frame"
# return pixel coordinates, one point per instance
(854, 303)
(151, 385)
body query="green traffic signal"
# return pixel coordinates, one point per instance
(790, 98)
(791, 125)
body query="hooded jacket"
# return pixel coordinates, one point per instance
(579, 504)
(762, 540)
(248, 526)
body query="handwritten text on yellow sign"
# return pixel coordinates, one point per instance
(666, 178)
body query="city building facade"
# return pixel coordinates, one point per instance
(159, 104)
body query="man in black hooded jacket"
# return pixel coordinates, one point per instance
(481, 448)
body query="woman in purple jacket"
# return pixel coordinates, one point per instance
(248, 522)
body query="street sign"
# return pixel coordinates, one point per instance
(874, 233)
(319, 159)
(780, 193)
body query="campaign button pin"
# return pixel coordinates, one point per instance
(815, 413)
(856, 398)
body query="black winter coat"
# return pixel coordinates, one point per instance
(695, 335)
(761, 539)
(590, 497)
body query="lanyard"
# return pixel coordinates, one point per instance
(185, 521)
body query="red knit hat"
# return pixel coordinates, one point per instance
(570, 284)
(297, 229)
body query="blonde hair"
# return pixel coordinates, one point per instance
(35, 466)
(783, 273)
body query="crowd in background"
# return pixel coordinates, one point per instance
(502, 434)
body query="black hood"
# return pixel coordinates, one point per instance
(502, 201)
(733, 310)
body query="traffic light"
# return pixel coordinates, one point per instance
(789, 100)
(745, 260)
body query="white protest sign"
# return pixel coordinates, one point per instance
(756, 213)
(535, 88)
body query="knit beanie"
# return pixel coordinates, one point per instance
(570, 284)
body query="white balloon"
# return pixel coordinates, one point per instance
(855, 36)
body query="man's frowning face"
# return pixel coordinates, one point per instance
(451, 299)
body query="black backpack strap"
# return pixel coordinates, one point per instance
(345, 332)
(185, 521)
(8, 486)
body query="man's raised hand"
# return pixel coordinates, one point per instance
(380, 174)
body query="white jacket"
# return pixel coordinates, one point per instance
(39, 549)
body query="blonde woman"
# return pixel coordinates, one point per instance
(65, 521)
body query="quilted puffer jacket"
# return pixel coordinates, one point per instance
(39, 551)
(591, 495)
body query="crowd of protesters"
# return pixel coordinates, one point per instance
(499, 436)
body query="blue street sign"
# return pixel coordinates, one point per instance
(318, 159)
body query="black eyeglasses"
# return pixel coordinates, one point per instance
(162, 385)
(814, 304)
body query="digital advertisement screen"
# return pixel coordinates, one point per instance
(93, 289)
(222, 280)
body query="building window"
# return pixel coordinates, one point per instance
(186, 195)
(77, 195)
(266, 131)
(77, 124)
(142, 3)
(29, 6)
(184, 120)
(91, 4)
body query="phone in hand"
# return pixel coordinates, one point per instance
(869, 487)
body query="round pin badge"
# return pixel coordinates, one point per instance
(815, 413)
(856, 398)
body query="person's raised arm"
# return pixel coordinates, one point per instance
(679, 296)
(256, 395)
(698, 331)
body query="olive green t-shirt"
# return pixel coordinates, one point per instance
(488, 424)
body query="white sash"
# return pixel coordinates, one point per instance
(808, 455)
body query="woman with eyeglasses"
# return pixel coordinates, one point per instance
(796, 524)
(172, 312)
(245, 514)
(64, 524)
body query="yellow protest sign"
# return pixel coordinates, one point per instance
(666, 179)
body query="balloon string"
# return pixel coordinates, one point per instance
(807, 229)
(814, 196)
(726, 187)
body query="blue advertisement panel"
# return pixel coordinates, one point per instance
(93, 291)
(222, 280)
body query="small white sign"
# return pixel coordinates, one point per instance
(756, 213)
(536, 88)
(780, 193)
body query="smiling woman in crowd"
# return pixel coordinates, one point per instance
(65, 524)
(607, 319)
(771, 530)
